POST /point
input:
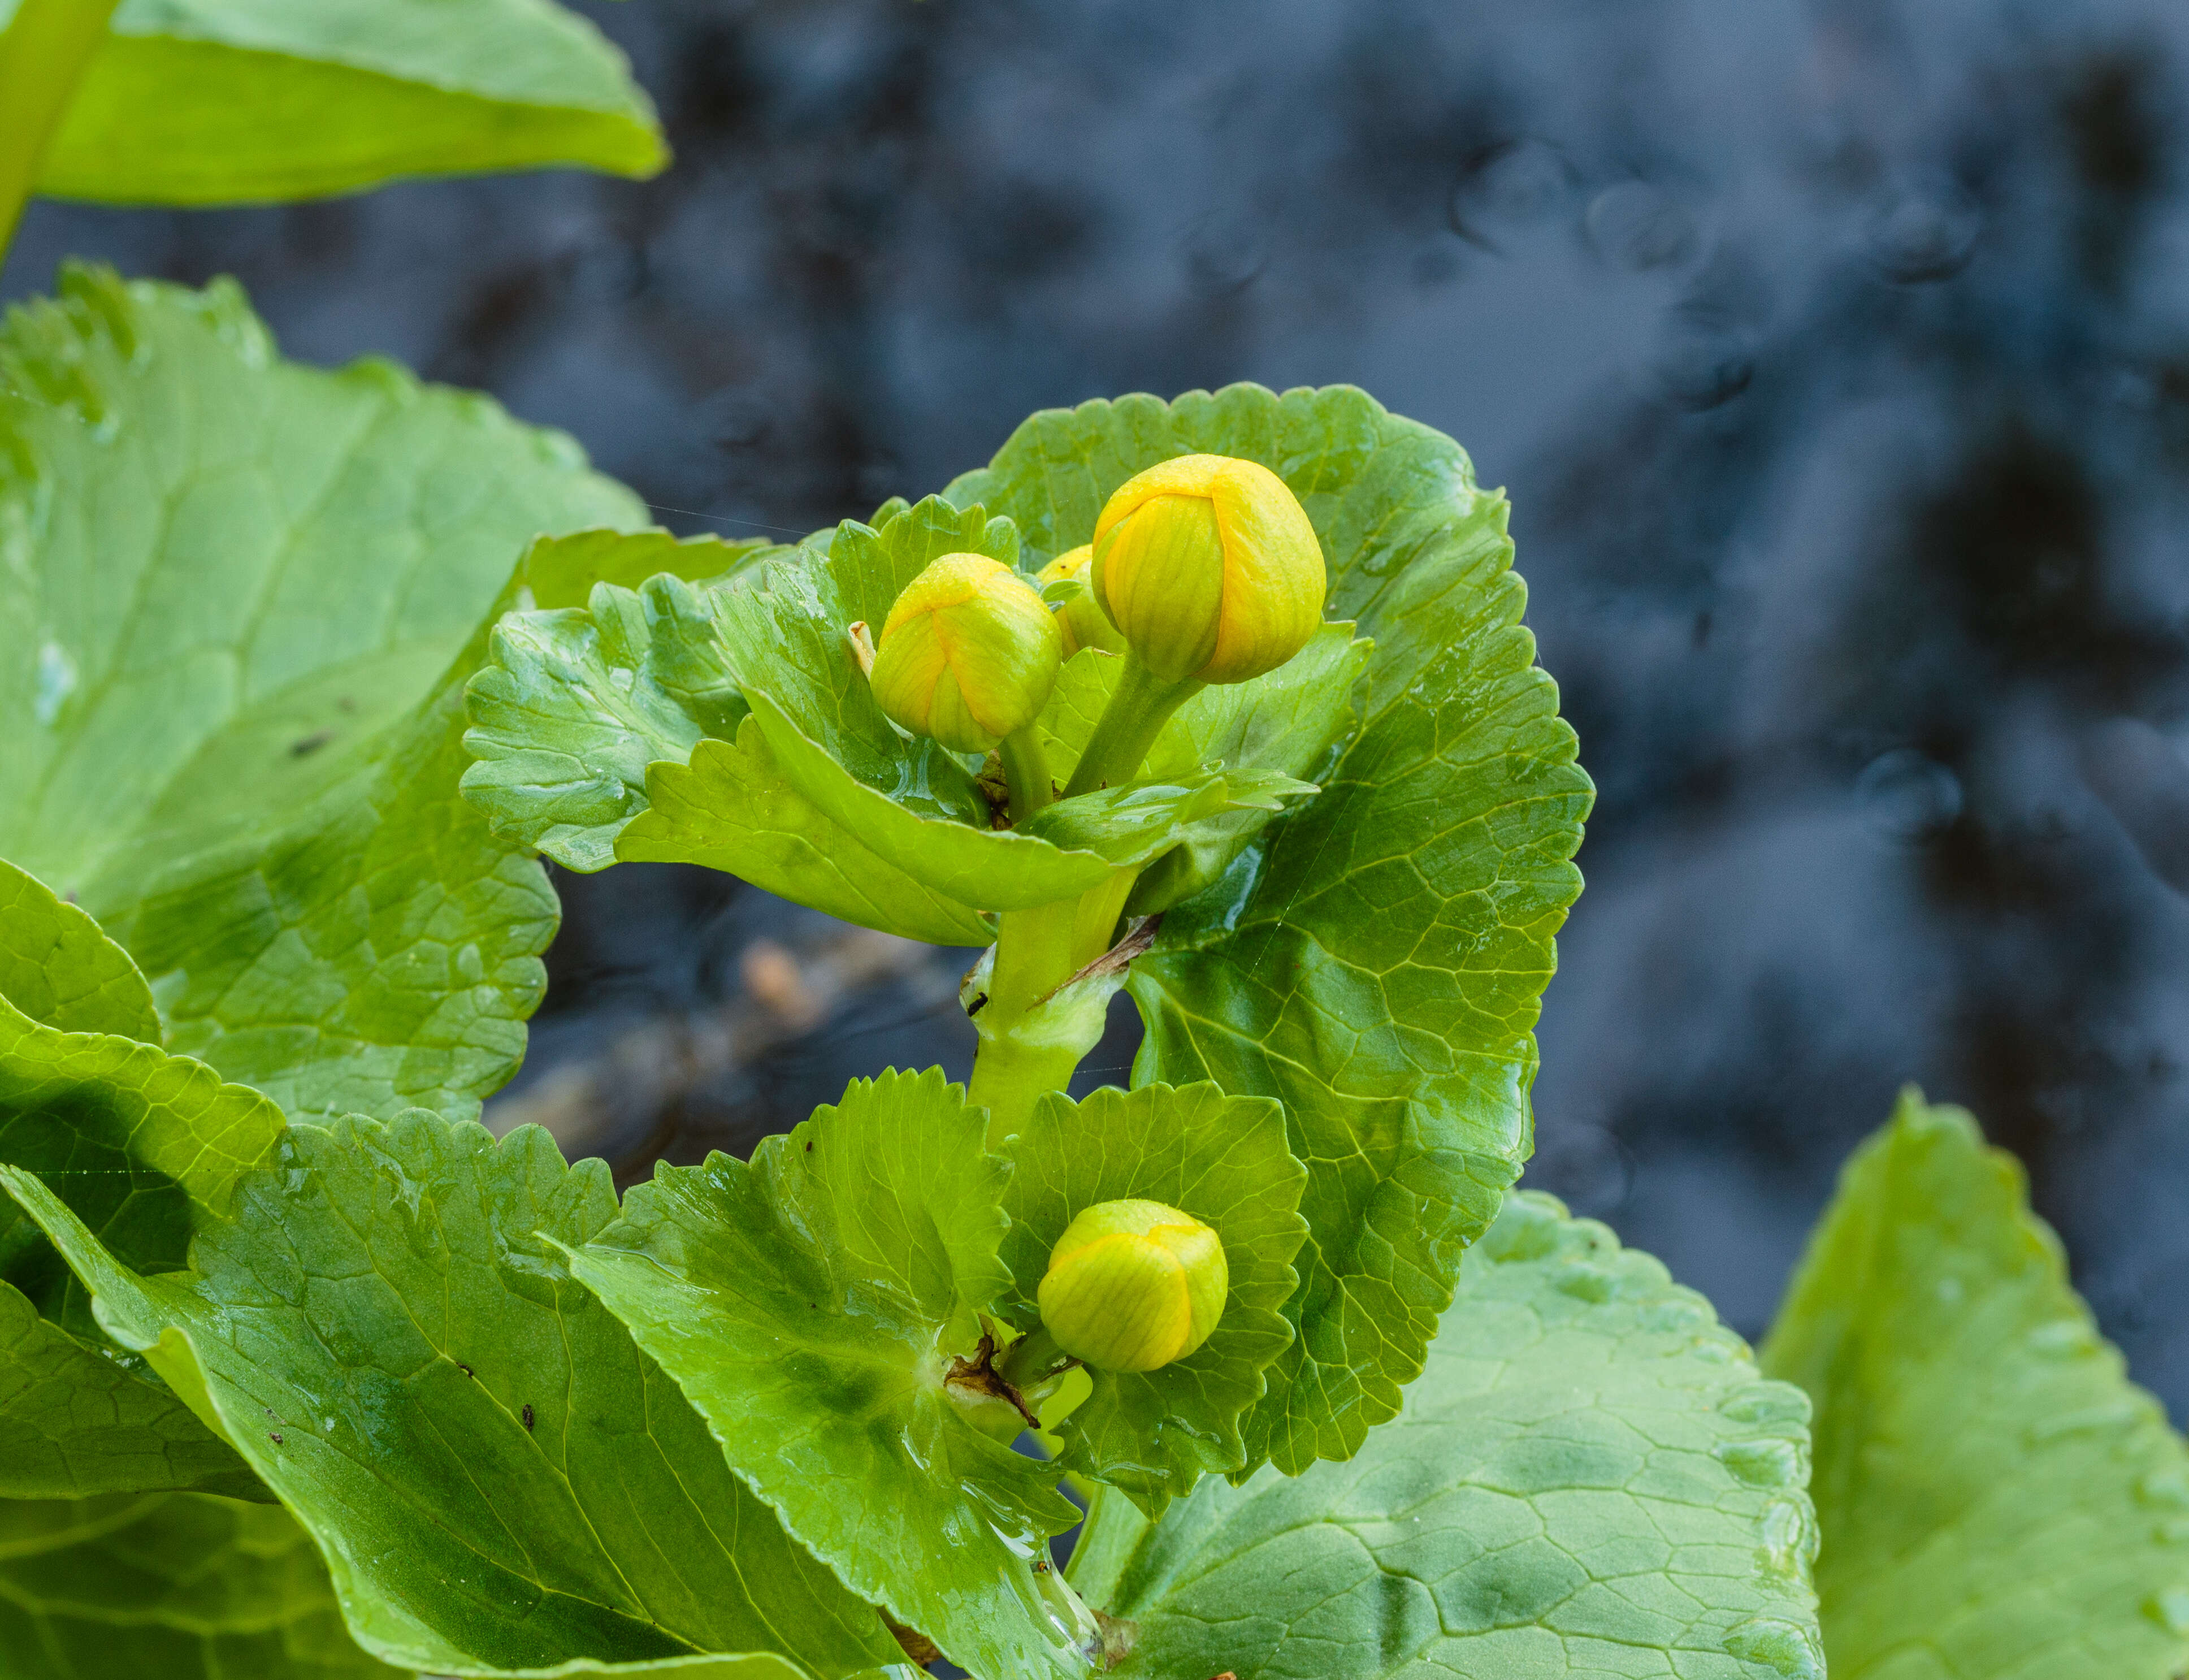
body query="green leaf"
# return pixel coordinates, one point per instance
(731, 726)
(1221, 1159)
(814, 1305)
(562, 571)
(1375, 959)
(574, 704)
(56, 967)
(1588, 1480)
(142, 1146)
(1998, 1502)
(76, 1418)
(500, 1480)
(584, 720)
(248, 593)
(168, 1587)
(225, 101)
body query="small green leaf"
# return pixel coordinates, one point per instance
(168, 1587)
(813, 1306)
(500, 1480)
(562, 571)
(57, 968)
(1221, 1159)
(576, 703)
(1589, 1480)
(1999, 1502)
(583, 723)
(222, 101)
(1374, 959)
(248, 594)
(731, 809)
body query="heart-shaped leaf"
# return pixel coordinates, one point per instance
(1374, 957)
(819, 1306)
(1221, 1159)
(499, 1479)
(1589, 1480)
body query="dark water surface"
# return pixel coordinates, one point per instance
(1836, 357)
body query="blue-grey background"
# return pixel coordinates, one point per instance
(1835, 356)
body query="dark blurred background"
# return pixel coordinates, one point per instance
(1835, 356)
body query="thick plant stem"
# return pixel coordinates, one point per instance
(43, 54)
(1139, 707)
(1034, 1028)
(1026, 772)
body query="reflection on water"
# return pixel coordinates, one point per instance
(1836, 358)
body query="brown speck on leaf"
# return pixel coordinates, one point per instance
(809, 1146)
(528, 1416)
(305, 745)
(274, 1438)
(461, 1366)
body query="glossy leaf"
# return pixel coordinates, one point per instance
(500, 1480)
(168, 1587)
(814, 1305)
(1375, 959)
(1999, 1502)
(582, 728)
(1221, 1159)
(732, 809)
(222, 101)
(248, 593)
(1589, 1480)
(77, 1417)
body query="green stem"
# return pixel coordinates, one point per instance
(1140, 706)
(1026, 770)
(1033, 1029)
(43, 54)
(1111, 1533)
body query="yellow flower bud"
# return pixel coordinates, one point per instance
(1132, 1286)
(1209, 568)
(1081, 617)
(968, 654)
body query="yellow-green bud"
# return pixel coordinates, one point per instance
(1081, 617)
(968, 654)
(1209, 568)
(1132, 1286)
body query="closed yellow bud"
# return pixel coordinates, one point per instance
(1081, 617)
(1132, 1286)
(968, 654)
(1210, 568)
